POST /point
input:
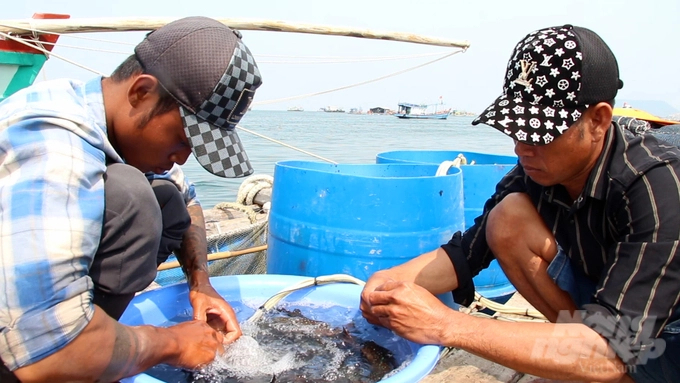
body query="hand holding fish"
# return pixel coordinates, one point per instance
(210, 307)
(197, 342)
(376, 280)
(410, 311)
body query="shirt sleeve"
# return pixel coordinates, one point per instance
(177, 176)
(51, 214)
(637, 293)
(469, 251)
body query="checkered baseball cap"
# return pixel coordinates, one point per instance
(206, 67)
(553, 75)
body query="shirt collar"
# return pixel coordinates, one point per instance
(95, 101)
(95, 107)
(598, 180)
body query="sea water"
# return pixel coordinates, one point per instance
(343, 138)
(292, 343)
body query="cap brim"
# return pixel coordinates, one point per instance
(218, 150)
(532, 124)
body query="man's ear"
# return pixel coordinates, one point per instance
(601, 119)
(142, 89)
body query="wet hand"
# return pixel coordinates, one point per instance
(410, 311)
(373, 282)
(211, 308)
(198, 344)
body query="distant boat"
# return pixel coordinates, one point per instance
(378, 110)
(422, 111)
(296, 109)
(333, 109)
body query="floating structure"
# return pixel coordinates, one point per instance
(333, 109)
(422, 111)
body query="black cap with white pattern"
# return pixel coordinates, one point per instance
(204, 65)
(553, 75)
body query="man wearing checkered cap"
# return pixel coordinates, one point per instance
(586, 227)
(93, 200)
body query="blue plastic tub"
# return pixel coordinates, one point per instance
(359, 219)
(479, 183)
(246, 292)
(479, 180)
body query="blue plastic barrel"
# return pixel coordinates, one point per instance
(246, 292)
(479, 183)
(358, 219)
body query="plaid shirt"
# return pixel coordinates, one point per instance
(53, 153)
(623, 232)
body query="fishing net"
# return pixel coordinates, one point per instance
(230, 227)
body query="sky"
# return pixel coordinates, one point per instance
(642, 34)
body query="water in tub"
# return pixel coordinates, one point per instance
(288, 344)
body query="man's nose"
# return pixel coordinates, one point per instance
(181, 156)
(522, 149)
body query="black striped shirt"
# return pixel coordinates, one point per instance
(623, 231)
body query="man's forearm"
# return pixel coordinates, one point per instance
(567, 351)
(192, 255)
(433, 271)
(105, 351)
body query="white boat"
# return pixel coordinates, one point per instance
(422, 111)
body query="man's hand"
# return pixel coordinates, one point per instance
(198, 344)
(373, 282)
(210, 307)
(106, 351)
(410, 311)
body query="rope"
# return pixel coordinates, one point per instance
(444, 167)
(76, 47)
(313, 59)
(353, 58)
(251, 186)
(356, 84)
(284, 144)
(504, 309)
(34, 30)
(336, 60)
(48, 53)
(250, 213)
(318, 281)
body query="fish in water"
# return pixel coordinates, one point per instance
(284, 346)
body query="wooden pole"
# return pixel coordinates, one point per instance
(86, 25)
(215, 256)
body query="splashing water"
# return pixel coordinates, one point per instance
(286, 346)
(245, 358)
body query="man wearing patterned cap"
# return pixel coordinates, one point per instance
(586, 227)
(93, 199)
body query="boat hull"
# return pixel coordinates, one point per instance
(441, 116)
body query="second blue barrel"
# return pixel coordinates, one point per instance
(358, 219)
(480, 176)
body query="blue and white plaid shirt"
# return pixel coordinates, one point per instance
(53, 151)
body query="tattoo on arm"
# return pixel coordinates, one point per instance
(125, 356)
(193, 252)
